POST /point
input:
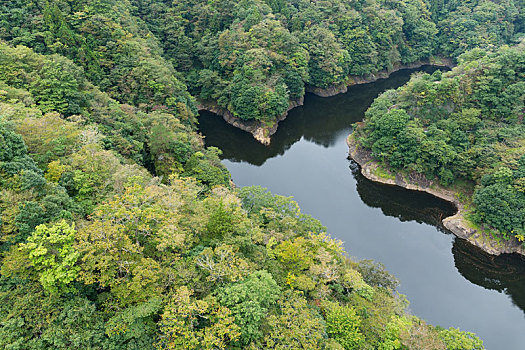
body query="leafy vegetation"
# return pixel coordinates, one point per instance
(120, 230)
(178, 265)
(464, 125)
(254, 56)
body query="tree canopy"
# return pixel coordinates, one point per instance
(465, 128)
(250, 57)
(119, 229)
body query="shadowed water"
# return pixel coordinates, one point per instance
(448, 281)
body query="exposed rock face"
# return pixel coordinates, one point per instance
(261, 131)
(370, 78)
(457, 224)
(329, 91)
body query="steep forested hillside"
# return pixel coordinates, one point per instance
(97, 253)
(120, 230)
(116, 50)
(252, 56)
(465, 128)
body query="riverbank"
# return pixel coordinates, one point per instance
(262, 131)
(457, 224)
(372, 77)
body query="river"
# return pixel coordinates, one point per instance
(447, 281)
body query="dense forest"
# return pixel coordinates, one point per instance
(98, 252)
(120, 230)
(251, 57)
(465, 128)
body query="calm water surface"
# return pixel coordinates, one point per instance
(447, 281)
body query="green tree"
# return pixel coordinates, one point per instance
(207, 168)
(51, 252)
(189, 323)
(249, 301)
(295, 325)
(454, 339)
(342, 324)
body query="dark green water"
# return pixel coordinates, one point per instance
(447, 281)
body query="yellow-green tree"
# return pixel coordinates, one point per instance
(51, 251)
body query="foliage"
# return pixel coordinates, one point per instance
(206, 168)
(196, 324)
(249, 301)
(123, 229)
(342, 324)
(253, 56)
(51, 252)
(161, 140)
(500, 202)
(484, 24)
(394, 333)
(455, 339)
(464, 125)
(295, 325)
(376, 275)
